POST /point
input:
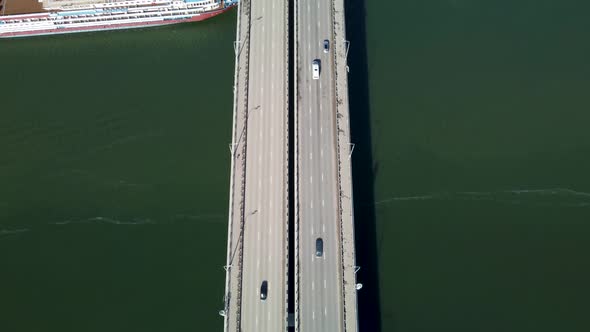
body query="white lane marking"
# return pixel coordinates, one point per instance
(259, 184)
(322, 176)
(325, 311)
(258, 263)
(270, 229)
(324, 283)
(320, 84)
(323, 230)
(321, 151)
(313, 315)
(320, 103)
(312, 285)
(321, 130)
(310, 106)
(311, 179)
(310, 133)
(271, 180)
(262, 69)
(311, 234)
(310, 156)
(270, 204)
(260, 156)
(323, 203)
(272, 132)
(310, 92)
(311, 204)
(308, 7)
(258, 235)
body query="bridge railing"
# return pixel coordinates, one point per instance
(286, 38)
(344, 168)
(232, 303)
(296, 156)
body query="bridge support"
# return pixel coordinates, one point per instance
(347, 45)
(350, 155)
(237, 47)
(232, 147)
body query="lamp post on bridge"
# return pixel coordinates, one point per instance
(347, 45)
(225, 310)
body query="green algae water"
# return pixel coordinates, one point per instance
(471, 163)
(114, 175)
(479, 144)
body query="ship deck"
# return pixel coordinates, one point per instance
(10, 7)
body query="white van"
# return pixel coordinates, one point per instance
(315, 68)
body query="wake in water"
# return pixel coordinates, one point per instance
(6, 231)
(212, 218)
(176, 219)
(105, 220)
(558, 197)
(179, 218)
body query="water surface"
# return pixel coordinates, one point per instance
(114, 169)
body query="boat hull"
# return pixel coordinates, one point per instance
(114, 26)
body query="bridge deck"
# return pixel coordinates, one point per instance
(259, 204)
(325, 285)
(258, 217)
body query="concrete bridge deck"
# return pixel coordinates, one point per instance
(258, 246)
(258, 216)
(325, 285)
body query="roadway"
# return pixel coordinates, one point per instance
(265, 242)
(320, 301)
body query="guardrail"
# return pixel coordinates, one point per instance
(237, 142)
(344, 147)
(296, 161)
(286, 13)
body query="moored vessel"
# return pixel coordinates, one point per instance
(69, 16)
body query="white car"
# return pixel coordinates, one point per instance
(315, 68)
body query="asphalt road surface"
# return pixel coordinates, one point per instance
(320, 286)
(266, 202)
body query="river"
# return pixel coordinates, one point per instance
(472, 190)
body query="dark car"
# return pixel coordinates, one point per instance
(319, 247)
(326, 46)
(263, 290)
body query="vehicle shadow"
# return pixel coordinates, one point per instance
(363, 169)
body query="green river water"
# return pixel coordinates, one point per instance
(471, 165)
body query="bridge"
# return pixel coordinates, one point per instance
(276, 105)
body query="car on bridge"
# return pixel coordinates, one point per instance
(319, 247)
(264, 290)
(315, 68)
